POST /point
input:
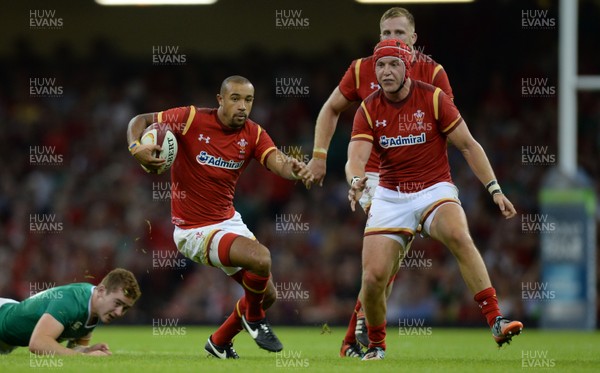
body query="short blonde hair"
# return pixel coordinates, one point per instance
(120, 278)
(398, 12)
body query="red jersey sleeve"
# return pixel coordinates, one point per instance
(178, 119)
(362, 128)
(440, 79)
(447, 115)
(264, 145)
(348, 85)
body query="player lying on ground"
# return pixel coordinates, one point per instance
(67, 313)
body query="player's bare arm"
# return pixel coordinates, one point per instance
(143, 153)
(289, 168)
(324, 130)
(480, 165)
(358, 155)
(45, 335)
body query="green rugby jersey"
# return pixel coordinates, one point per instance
(69, 304)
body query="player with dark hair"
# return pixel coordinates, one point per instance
(358, 82)
(214, 148)
(415, 194)
(67, 312)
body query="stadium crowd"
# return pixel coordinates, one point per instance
(74, 204)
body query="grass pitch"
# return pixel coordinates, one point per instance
(314, 349)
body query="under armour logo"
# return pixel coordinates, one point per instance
(381, 123)
(374, 85)
(202, 138)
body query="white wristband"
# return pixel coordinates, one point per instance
(493, 187)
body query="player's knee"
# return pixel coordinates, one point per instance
(374, 281)
(261, 260)
(459, 241)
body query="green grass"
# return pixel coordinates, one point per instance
(136, 349)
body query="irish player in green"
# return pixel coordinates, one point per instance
(67, 313)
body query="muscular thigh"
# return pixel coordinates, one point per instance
(449, 224)
(380, 254)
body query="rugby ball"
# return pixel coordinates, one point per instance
(160, 134)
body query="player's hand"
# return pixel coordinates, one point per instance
(355, 192)
(302, 172)
(145, 155)
(318, 167)
(506, 207)
(99, 349)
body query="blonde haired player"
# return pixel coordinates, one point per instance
(67, 313)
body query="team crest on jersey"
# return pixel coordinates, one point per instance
(419, 115)
(206, 159)
(242, 143)
(382, 123)
(76, 325)
(393, 142)
(202, 138)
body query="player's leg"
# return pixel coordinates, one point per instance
(449, 226)
(256, 259)
(356, 333)
(233, 324)
(357, 328)
(380, 252)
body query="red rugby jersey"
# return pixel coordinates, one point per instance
(210, 159)
(360, 81)
(410, 136)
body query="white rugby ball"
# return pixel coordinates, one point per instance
(160, 134)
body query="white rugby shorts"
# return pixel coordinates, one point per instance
(400, 216)
(202, 244)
